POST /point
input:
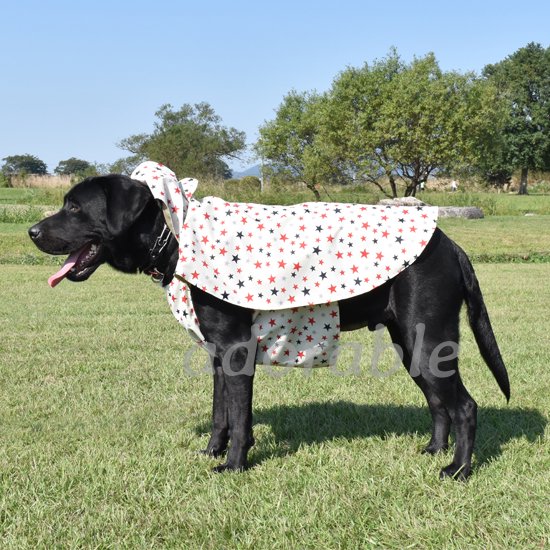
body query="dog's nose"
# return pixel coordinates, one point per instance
(34, 232)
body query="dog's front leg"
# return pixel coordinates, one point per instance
(220, 421)
(229, 328)
(237, 371)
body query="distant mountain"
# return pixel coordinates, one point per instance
(252, 171)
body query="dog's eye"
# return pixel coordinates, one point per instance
(74, 208)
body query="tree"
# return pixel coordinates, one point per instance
(23, 164)
(73, 166)
(288, 143)
(395, 121)
(523, 80)
(384, 123)
(190, 141)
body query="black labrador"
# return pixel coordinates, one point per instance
(114, 219)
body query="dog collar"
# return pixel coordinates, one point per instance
(156, 250)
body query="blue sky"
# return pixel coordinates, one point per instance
(78, 76)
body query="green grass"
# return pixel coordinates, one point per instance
(502, 238)
(493, 239)
(492, 204)
(100, 429)
(500, 204)
(28, 196)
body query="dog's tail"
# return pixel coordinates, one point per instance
(480, 323)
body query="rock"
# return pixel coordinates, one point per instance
(468, 212)
(403, 201)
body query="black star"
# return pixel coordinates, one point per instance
(274, 291)
(316, 250)
(319, 228)
(327, 327)
(398, 239)
(305, 291)
(225, 296)
(323, 275)
(358, 281)
(240, 235)
(240, 284)
(236, 258)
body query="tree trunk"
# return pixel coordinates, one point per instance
(523, 182)
(410, 190)
(393, 186)
(312, 187)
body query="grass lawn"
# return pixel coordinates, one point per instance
(494, 238)
(101, 428)
(502, 238)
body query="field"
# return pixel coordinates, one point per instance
(102, 421)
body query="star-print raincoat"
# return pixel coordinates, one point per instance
(290, 264)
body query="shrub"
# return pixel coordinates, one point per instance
(245, 185)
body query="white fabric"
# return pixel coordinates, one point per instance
(291, 264)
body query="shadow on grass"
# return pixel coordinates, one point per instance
(297, 425)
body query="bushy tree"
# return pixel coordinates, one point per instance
(385, 122)
(288, 143)
(73, 166)
(396, 121)
(523, 81)
(23, 164)
(191, 141)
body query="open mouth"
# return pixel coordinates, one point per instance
(79, 265)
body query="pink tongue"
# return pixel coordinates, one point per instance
(67, 266)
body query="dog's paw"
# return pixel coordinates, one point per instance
(226, 467)
(458, 473)
(433, 449)
(214, 452)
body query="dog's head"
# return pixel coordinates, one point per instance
(103, 219)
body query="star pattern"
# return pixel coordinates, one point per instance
(285, 261)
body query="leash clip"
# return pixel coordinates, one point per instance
(160, 243)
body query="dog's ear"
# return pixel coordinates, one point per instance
(126, 200)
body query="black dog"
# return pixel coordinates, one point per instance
(116, 220)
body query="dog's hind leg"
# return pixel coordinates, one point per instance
(441, 421)
(438, 377)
